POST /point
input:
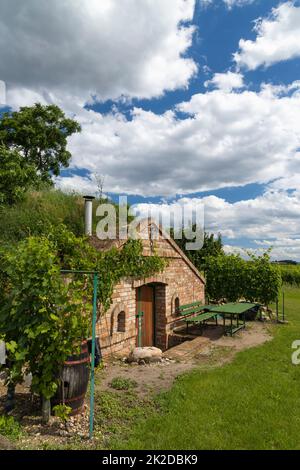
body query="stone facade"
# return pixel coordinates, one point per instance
(179, 284)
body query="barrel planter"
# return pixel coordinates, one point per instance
(74, 381)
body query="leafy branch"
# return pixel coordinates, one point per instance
(44, 316)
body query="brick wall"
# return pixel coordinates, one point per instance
(179, 280)
(113, 341)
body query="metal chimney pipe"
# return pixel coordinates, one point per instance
(88, 215)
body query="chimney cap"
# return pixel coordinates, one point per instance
(89, 198)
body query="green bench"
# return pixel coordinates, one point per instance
(196, 313)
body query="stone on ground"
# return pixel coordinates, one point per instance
(147, 354)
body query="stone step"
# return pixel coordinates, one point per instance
(188, 349)
(176, 339)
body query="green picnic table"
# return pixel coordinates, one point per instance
(195, 313)
(234, 311)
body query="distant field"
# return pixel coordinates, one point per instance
(291, 267)
(290, 273)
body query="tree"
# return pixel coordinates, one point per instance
(225, 277)
(232, 277)
(212, 246)
(16, 175)
(100, 184)
(40, 134)
(262, 279)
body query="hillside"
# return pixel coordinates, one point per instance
(38, 211)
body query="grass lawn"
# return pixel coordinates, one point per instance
(252, 403)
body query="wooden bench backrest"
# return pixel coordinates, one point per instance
(188, 309)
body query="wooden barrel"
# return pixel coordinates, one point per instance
(74, 383)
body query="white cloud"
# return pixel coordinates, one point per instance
(285, 249)
(18, 97)
(291, 182)
(282, 249)
(278, 39)
(103, 48)
(238, 3)
(229, 3)
(274, 215)
(65, 51)
(206, 3)
(227, 139)
(2, 93)
(80, 184)
(271, 220)
(226, 81)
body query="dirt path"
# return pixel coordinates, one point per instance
(210, 350)
(205, 352)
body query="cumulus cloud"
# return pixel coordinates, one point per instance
(80, 184)
(230, 136)
(226, 81)
(91, 48)
(271, 220)
(69, 52)
(278, 39)
(281, 249)
(274, 215)
(226, 139)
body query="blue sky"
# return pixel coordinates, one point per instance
(177, 99)
(219, 30)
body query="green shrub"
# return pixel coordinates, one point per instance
(120, 383)
(231, 277)
(62, 412)
(224, 277)
(42, 318)
(9, 427)
(290, 275)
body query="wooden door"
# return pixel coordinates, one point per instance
(145, 304)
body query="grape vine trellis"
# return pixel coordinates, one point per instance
(44, 315)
